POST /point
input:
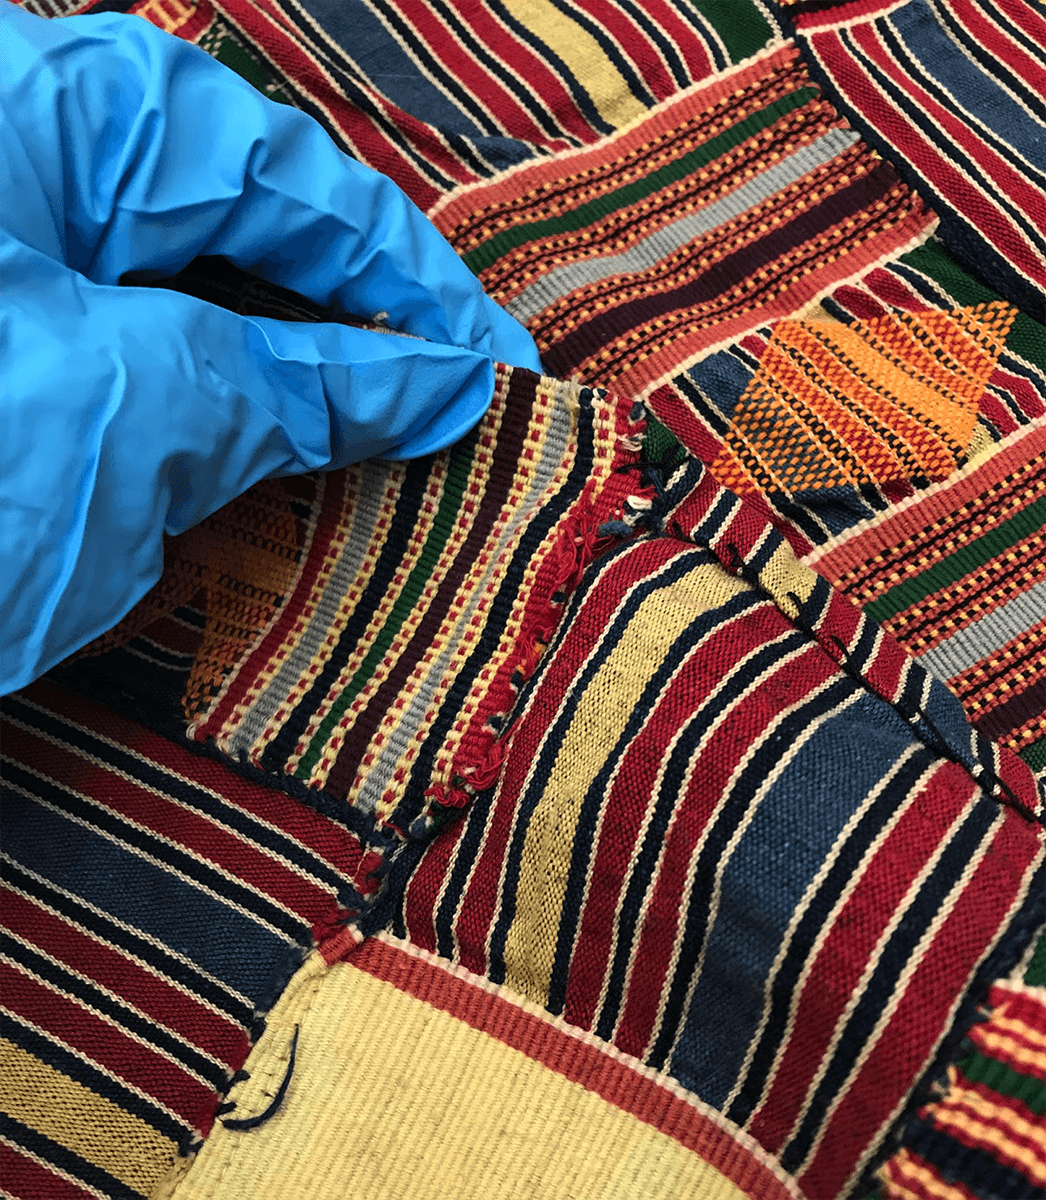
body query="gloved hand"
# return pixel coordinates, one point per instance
(129, 411)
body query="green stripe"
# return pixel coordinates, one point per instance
(442, 526)
(632, 193)
(968, 558)
(1027, 337)
(1035, 975)
(743, 27)
(990, 1073)
(1035, 754)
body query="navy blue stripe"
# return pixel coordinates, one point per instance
(134, 1022)
(721, 512)
(129, 941)
(839, 876)
(694, 921)
(229, 944)
(668, 797)
(897, 954)
(54, 1054)
(180, 790)
(158, 656)
(139, 840)
(710, 37)
(48, 1151)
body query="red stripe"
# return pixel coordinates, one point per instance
(585, 1062)
(974, 921)
(835, 974)
(421, 892)
(852, 80)
(106, 1045)
(619, 839)
(911, 1172)
(545, 83)
(26, 1179)
(213, 1032)
(483, 897)
(1027, 198)
(633, 44)
(687, 40)
(707, 789)
(185, 828)
(483, 86)
(998, 42)
(268, 30)
(321, 836)
(1026, 18)
(297, 611)
(1025, 1007)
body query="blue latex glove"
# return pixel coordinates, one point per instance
(129, 411)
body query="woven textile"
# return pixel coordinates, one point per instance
(736, 202)
(154, 905)
(425, 589)
(839, 439)
(733, 873)
(515, 1102)
(952, 91)
(988, 1124)
(738, 836)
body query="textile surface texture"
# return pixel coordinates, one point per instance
(643, 797)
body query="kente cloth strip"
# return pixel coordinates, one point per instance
(353, 648)
(681, 761)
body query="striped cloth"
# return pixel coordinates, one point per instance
(353, 647)
(154, 906)
(984, 1132)
(383, 673)
(952, 91)
(950, 561)
(738, 837)
(737, 201)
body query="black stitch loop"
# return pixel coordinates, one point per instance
(244, 1123)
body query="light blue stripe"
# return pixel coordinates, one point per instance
(968, 646)
(663, 242)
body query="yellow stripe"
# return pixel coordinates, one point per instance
(583, 56)
(87, 1124)
(392, 1096)
(605, 707)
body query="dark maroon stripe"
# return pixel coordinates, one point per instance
(1019, 709)
(566, 355)
(511, 436)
